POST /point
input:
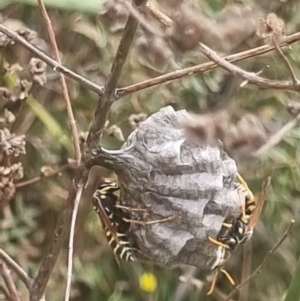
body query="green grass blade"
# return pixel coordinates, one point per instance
(293, 293)
(50, 123)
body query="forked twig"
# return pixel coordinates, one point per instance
(64, 221)
(264, 262)
(288, 85)
(286, 61)
(63, 82)
(42, 176)
(110, 87)
(140, 18)
(16, 268)
(71, 242)
(49, 61)
(4, 291)
(122, 92)
(249, 76)
(5, 272)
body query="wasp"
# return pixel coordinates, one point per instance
(113, 220)
(236, 232)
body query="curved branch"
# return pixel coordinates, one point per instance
(49, 61)
(16, 268)
(249, 76)
(205, 67)
(64, 87)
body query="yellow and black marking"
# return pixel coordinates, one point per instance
(237, 231)
(113, 220)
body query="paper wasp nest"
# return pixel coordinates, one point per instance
(160, 169)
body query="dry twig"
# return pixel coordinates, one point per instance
(109, 94)
(43, 175)
(5, 272)
(16, 268)
(250, 76)
(64, 221)
(140, 18)
(49, 61)
(212, 65)
(122, 92)
(71, 242)
(159, 16)
(276, 137)
(63, 82)
(286, 62)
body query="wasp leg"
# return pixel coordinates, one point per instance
(228, 276)
(218, 243)
(227, 225)
(213, 283)
(130, 208)
(163, 220)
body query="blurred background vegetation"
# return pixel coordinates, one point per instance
(88, 33)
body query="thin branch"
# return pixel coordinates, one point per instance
(62, 228)
(277, 137)
(286, 61)
(5, 272)
(264, 262)
(49, 61)
(159, 16)
(121, 92)
(250, 76)
(107, 99)
(16, 268)
(4, 292)
(247, 263)
(63, 82)
(71, 243)
(42, 176)
(140, 18)
(64, 221)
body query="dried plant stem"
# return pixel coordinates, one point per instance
(264, 262)
(4, 291)
(71, 242)
(212, 65)
(110, 87)
(42, 176)
(121, 92)
(38, 286)
(65, 219)
(159, 16)
(276, 137)
(247, 263)
(49, 61)
(140, 18)
(5, 272)
(286, 62)
(16, 268)
(249, 76)
(63, 82)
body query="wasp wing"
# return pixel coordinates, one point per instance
(259, 205)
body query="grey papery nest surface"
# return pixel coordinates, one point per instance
(159, 168)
